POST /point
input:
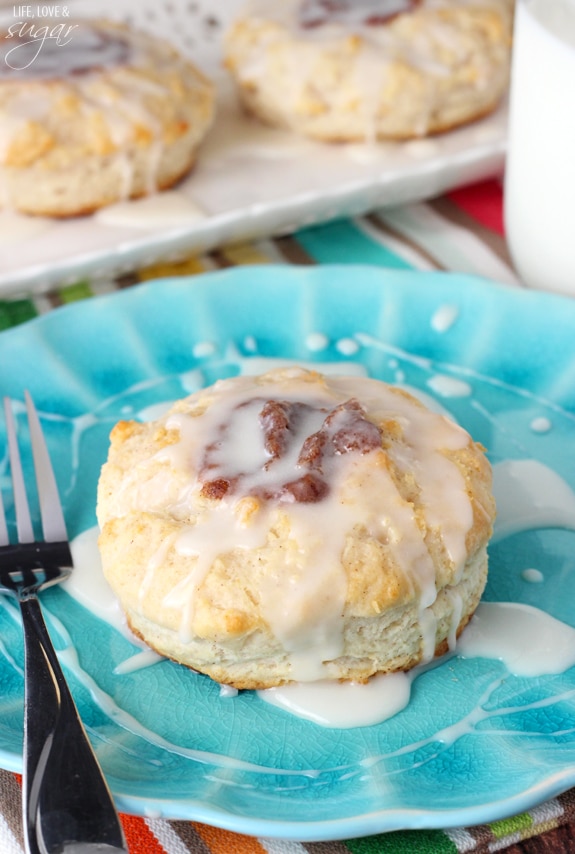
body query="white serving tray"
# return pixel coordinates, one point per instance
(250, 181)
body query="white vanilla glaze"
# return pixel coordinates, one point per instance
(528, 641)
(541, 425)
(335, 704)
(204, 349)
(347, 346)
(304, 604)
(17, 228)
(169, 209)
(533, 576)
(529, 494)
(449, 386)
(444, 317)
(317, 341)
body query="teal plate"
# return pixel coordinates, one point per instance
(169, 744)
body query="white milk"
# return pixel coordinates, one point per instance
(540, 174)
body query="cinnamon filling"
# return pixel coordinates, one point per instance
(316, 13)
(343, 430)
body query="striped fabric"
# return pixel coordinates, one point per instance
(157, 836)
(463, 232)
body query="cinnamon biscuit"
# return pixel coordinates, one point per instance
(355, 70)
(295, 526)
(101, 114)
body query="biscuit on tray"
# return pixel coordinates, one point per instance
(295, 526)
(107, 114)
(356, 70)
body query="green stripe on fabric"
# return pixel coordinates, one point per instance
(75, 292)
(404, 842)
(14, 312)
(507, 826)
(342, 242)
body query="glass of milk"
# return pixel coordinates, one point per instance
(539, 200)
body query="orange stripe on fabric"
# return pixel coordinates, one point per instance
(225, 842)
(139, 837)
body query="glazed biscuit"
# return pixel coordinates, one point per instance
(294, 527)
(111, 114)
(361, 70)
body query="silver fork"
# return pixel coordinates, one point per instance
(67, 805)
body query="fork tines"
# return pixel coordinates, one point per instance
(54, 549)
(67, 804)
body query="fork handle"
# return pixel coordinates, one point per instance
(66, 798)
